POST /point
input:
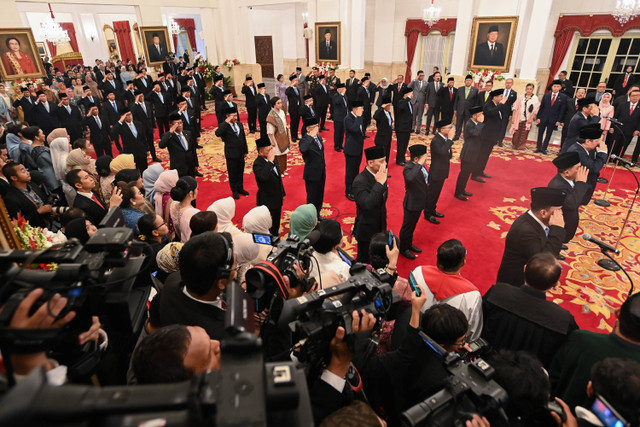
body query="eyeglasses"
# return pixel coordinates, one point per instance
(163, 223)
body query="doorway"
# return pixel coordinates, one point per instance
(264, 54)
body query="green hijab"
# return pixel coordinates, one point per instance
(303, 221)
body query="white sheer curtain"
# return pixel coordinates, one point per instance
(436, 52)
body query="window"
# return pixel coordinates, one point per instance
(436, 52)
(183, 42)
(602, 57)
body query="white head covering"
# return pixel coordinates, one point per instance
(257, 220)
(59, 148)
(149, 178)
(225, 209)
(384, 83)
(244, 248)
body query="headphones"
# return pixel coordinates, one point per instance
(224, 271)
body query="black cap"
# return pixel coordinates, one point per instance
(364, 79)
(175, 116)
(298, 68)
(85, 87)
(156, 83)
(566, 160)
(217, 78)
(492, 29)
(226, 92)
(340, 85)
(496, 92)
(451, 79)
(160, 74)
(475, 110)
(129, 82)
(321, 76)
(406, 90)
(308, 97)
(311, 121)
(91, 105)
(545, 196)
(629, 318)
(137, 92)
(556, 82)
(375, 152)
(230, 110)
(38, 93)
(261, 85)
(585, 102)
(24, 89)
(417, 150)
(468, 76)
(62, 95)
(292, 76)
(180, 99)
(356, 104)
(327, 31)
(185, 89)
(107, 72)
(592, 131)
(442, 123)
(123, 111)
(263, 142)
(246, 79)
(386, 100)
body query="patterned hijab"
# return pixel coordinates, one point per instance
(163, 185)
(168, 257)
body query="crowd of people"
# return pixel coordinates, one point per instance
(59, 171)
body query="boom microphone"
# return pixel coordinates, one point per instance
(603, 245)
(621, 160)
(612, 120)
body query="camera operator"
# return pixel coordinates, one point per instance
(24, 197)
(193, 295)
(46, 317)
(175, 353)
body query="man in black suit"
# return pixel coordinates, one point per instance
(294, 100)
(384, 126)
(470, 151)
(352, 84)
(624, 81)
(571, 110)
(193, 104)
(92, 205)
(182, 153)
(540, 229)
(439, 169)
(98, 131)
(264, 108)
(601, 89)
(45, 115)
(587, 114)
(464, 100)
(490, 133)
(187, 116)
(431, 100)
(446, 99)
(69, 117)
(321, 100)
(567, 85)
(161, 107)
(550, 114)
(88, 99)
(353, 146)
(490, 53)
(249, 92)
(24, 197)
(510, 96)
(270, 189)
(404, 124)
(328, 48)
(629, 114)
(235, 150)
(416, 178)
(370, 191)
(339, 108)
(166, 91)
(484, 96)
(112, 109)
(589, 140)
(364, 96)
(28, 104)
(143, 82)
(396, 89)
(436, 70)
(315, 174)
(157, 50)
(572, 179)
(167, 65)
(133, 136)
(110, 84)
(307, 111)
(129, 94)
(200, 84)
(142, 112)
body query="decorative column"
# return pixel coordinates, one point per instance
(464, 24)
(357, 29)
(533, 42)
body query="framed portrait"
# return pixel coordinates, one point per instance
(19, 55)
(42, 49)
(492, 41)
(328, 42)
(156, 44)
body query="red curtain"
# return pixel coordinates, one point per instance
(71, 31)
(190, 26)
(123, 34)
(585, 25)
(52, 48)
(415, 27)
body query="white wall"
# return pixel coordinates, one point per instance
(279, 22)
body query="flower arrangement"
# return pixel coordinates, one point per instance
(35, 238)
(324, 67)
(482, 76)
(25, 82)
(229, 63)
(209, 70)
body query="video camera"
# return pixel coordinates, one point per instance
(97, 279)
(470, 390)
(245, 392)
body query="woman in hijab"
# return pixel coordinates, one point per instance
(167, 260)
(81, 229)
(57, 133)
(303, 221)
(606, 110)
(384, 91)
(88, 80)
(123, 161)
(162, 197)
(246, 252)
(149, 178)
(258, 220)
(103, 167)
(77, 159)
(59, 149)
(226, 210)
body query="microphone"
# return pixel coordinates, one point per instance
(612, 120)
(604, 246)
(621, 160)
(311, 239)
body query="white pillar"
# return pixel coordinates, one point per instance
(384, 28)
(464, 24)
(357, 29)
(538, 21)
(209, 34)
(149, 15)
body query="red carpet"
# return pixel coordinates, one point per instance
(589, 292)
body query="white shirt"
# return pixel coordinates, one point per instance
(88, 195)
(328, 262)
(216, 303)
(544, 227)
(571, 183)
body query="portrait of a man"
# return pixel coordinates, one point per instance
(19, 55)
(156, 43)
(492, 42)
(328, 42)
